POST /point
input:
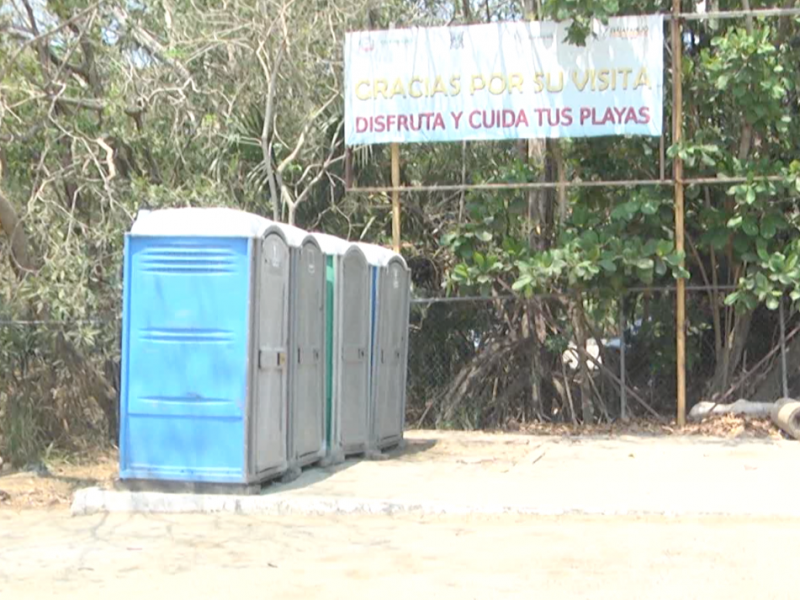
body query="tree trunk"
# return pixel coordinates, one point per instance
(20, 257)
(731, 355)
(770, 388)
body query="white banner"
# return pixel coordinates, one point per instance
(504, 81)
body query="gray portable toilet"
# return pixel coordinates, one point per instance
(391, 360)
(351, 392)
(307, 372)
(333, 248)
(292, 285)
(347, 370)
(390, 297)
(280, 247)
(202, 395)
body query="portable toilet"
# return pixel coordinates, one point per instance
(390, 283)
(391, 363)
(332, 249)
(203, 354)
(347, 347)
(307, 348)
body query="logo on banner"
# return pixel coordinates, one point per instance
(365, 44)
(456, 40)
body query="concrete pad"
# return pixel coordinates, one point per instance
(441, 473)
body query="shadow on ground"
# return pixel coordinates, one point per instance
(314, 474)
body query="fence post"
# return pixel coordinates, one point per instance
(395, 197)
(784, 371)
(623, 391)
(677, 177)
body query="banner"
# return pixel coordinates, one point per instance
(504, 81)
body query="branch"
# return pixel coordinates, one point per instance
(97, 105)
(301, 140)
(148, 42)
(323, 169)
(43, 36)
(112, 170)
(266, 130)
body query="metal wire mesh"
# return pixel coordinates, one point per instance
(489, 362)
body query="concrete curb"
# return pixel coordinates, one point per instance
(95, 500)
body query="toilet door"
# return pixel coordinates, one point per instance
(272, 327)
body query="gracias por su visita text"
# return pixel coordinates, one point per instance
(594, 80)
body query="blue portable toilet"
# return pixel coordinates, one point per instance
(203, 377)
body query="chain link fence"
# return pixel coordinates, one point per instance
(478, 362)
(486, 362)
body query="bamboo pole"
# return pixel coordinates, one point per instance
(396, 197)
(677, 176)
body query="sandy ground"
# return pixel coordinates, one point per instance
(45, 553)
(540, 474)
(129, 557)
(551, 475)
(54, 489)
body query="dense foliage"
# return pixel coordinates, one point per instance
(109, 106)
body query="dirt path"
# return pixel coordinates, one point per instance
(48, 554)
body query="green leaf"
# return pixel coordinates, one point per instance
(761, 249)
(770, 224)
(750, 226)
(731, 299)
(484, 236)
(590, 239)
(479, 259)
(776, 262)
(461, 272)
(674, 259)
(608, 265)
(521, 283)
(664, 247)
(646, 276)
(734, 222)
(741, 243)
(649, 208)
(645, 263)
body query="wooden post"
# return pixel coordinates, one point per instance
(784, 368)
(396, 197)
(677, 176)
(623, 390)
(348, 169)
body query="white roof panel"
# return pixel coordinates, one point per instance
(330, 244)
(209, 222)
(294, 235)
(377, 255)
